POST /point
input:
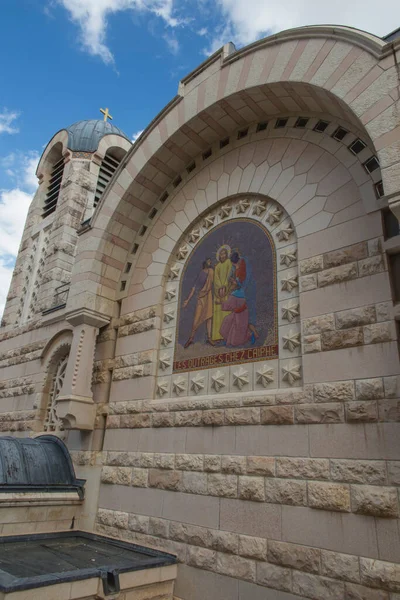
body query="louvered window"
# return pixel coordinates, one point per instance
(108, 167)
(53, 189)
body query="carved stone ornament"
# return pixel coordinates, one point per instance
(274, 216)
(259, 207)
(291, 373)
(241, 378)
(289, 283)
(170, 294)
(242, 205)
(52, 421)
(162, 388)
(194, 236)
(291, 341)
(197, 383)
(208, 221)
(169, 316)
(225, 211)
(182, 252)
(289, 257)
(179, 386)
(164, 362)
(166, 339)
(284, 234)
(290, 311)
(265, 376)
(218, 381)
(174, 272)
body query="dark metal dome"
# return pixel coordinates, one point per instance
(84, 136)
(42, 462)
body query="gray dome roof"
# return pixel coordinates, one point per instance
(84, 136)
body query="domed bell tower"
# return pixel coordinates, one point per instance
(73, 173)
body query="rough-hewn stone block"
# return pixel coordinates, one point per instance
(315, 325)
(340, 566)
(307, 468)
(359, 471)
(286, 491)
(163, 419)
(393, 468)
(312, 343)
(373, 500)
(372, 265)
(212, 463)
(277, 415)
(139, 477)
(233, 464)
(345, 255)
(158, 527)
(301, 558)
(189, 462)
(308, 283)
(369, 389)
(361, 412)
(214, 417)
(380, 574)
(337, 275)
(222, 485)
(329, 496)
(274, 577)
(319, 413)
(117, 475)
(252, 547)
(251, 488)
(261, 465)
(188, 418)
(377, 333)
(165, 480)
(311, 265)
(354, 591)
(224, 541)
(139, 523)
(345, 338)
(242, 416)
(235, 566)
(201, 557)
(389, 410)
(164, 461)
(194, 483)
(317, 588)
(337, 391)
(355, 317)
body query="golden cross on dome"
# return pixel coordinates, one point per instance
(106, 114)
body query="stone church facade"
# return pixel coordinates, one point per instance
(249, 427)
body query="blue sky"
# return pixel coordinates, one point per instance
(64, 59)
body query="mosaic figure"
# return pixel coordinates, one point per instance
(222, 274)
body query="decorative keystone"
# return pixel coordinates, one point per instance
(194, 236)
(179, 386)
(289, 283)
(265, 376)
(291, 373)
(225, 211)
(218, 381)
(169, 316)
(174, 272)
(209, 221)
(170, 294)
(259, 207)
(284, 234)
(289, 257)
(291, 341)
(166, 339)
(290, 311)
(241, 378)
(197, 383)
(182, 252)
(274, 216)
(162, 388)
(164, 362)
(242, 205)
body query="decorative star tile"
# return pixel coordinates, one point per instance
(289, 283)
(209, 221)
(170, 294)
(291, 373)
(182, 252)
(225, 211)
(241, 378)
(242, 205)
(259, 207)
(290, 311)
(169, 316)
(194, 236)
(291, 341)
(197, 383)
(284, 234)
(265, 376)
(218, 381)
(162, 388)
(164, 362)
(166, 339)
(174, 272)
(287, 258)
(274, 216)
(179, 385)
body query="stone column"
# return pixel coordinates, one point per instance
(394, 203)
(75, 404)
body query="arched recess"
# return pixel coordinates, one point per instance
(316, 72)
(54, 360)
(255, 343)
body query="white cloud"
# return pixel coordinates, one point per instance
(7, 118)
(248, 20)
(92, 15)
(136, 135)
(172, 43)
